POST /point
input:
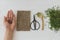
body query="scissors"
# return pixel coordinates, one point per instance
(35, 23)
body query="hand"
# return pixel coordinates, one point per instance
(10, 21)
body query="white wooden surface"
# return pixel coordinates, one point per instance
(35, 6)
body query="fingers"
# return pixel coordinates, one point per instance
(14, 22)
(10, 15)
(5, 19)
(14, 18)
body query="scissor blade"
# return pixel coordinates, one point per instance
(34, 25)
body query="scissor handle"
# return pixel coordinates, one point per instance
(35, 25)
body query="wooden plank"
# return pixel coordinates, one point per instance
(23, 20)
